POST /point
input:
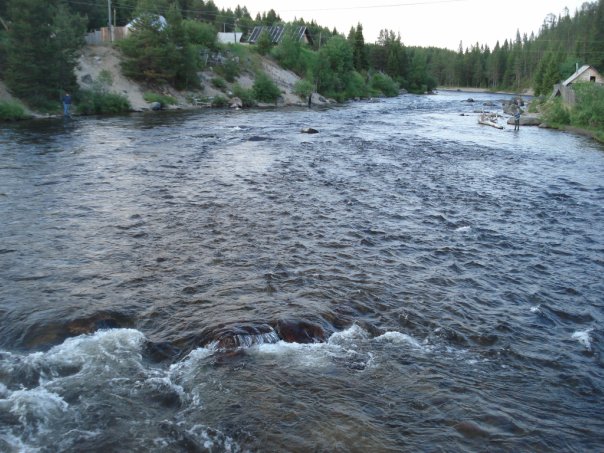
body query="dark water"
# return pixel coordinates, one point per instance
(405, 280)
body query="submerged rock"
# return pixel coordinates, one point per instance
(309, 130)
(300, 332)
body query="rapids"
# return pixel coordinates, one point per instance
(404, 280)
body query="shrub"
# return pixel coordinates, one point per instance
(265, 90)
(303, 88)
(382, 83)
(220, 101)
(556, 113)
(161, 98)
(589, 111)
(11, 111)
(246, 95)
(219, 82)
(97, 102)
(201, 34)
(355, 86)
(264, 43)
(229, 70)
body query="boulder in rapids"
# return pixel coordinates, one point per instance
(293, 331)
(309, 130)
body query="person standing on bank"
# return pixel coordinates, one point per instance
(66, 104)
(517, 119)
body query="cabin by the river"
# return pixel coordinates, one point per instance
(585, 74)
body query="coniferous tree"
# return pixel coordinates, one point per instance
(359, 51)
(41, 53)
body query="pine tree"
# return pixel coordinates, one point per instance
(359, 51)
(43, 42)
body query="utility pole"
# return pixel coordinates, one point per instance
(109, 19)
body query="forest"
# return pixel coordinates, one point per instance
(40, 41)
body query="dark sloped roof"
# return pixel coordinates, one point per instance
(277, 32)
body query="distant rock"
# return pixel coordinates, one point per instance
(469, 100)
(87, 79)
(236, 103)
(309, 130)
(155, 106)
(527, 120)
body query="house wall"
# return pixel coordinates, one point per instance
(586, 76)
(229, 38)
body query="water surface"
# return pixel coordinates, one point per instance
(405, 280)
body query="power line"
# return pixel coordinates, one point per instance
(392, 5)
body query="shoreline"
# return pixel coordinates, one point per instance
(484, 90)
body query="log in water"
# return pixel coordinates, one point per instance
(404, 280)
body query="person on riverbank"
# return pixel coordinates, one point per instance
(517, 119)
(66, 104)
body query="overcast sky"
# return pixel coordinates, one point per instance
(440, 23)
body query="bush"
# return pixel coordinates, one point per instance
(97, 102)
(229, 70)
(355, 86)
(383, 84)
(246, 96)
(265, 90)
(220, 101)
(11, 111)
(303, 88)
(161, 98)
(264, 43)
(219, 83)
(589, 111)
(201, 34)
(555, 113)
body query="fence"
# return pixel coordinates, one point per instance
(102, 36)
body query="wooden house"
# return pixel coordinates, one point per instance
(277, 32)
(584, 74)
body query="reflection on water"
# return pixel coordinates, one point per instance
(217, 281)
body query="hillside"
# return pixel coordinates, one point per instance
(95, 59)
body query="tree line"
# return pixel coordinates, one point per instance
(40, 41)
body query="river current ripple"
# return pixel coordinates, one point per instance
(404, 280)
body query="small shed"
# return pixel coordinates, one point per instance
(584, 74)
(277, 32)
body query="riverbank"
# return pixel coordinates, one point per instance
(527, 92)
(102, 65)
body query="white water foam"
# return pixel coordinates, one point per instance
(101, 349)
(583, 338)
(536, 309)
(353, 345)
(104, 365)
(34, 408)
(400, 338)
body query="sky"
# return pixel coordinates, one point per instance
(439, 23)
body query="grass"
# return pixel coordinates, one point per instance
(11, 111)
(161, 98)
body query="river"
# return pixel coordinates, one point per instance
(404, 280)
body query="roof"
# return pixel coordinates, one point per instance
(577, 74)
(159, 22)
(277, 32)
